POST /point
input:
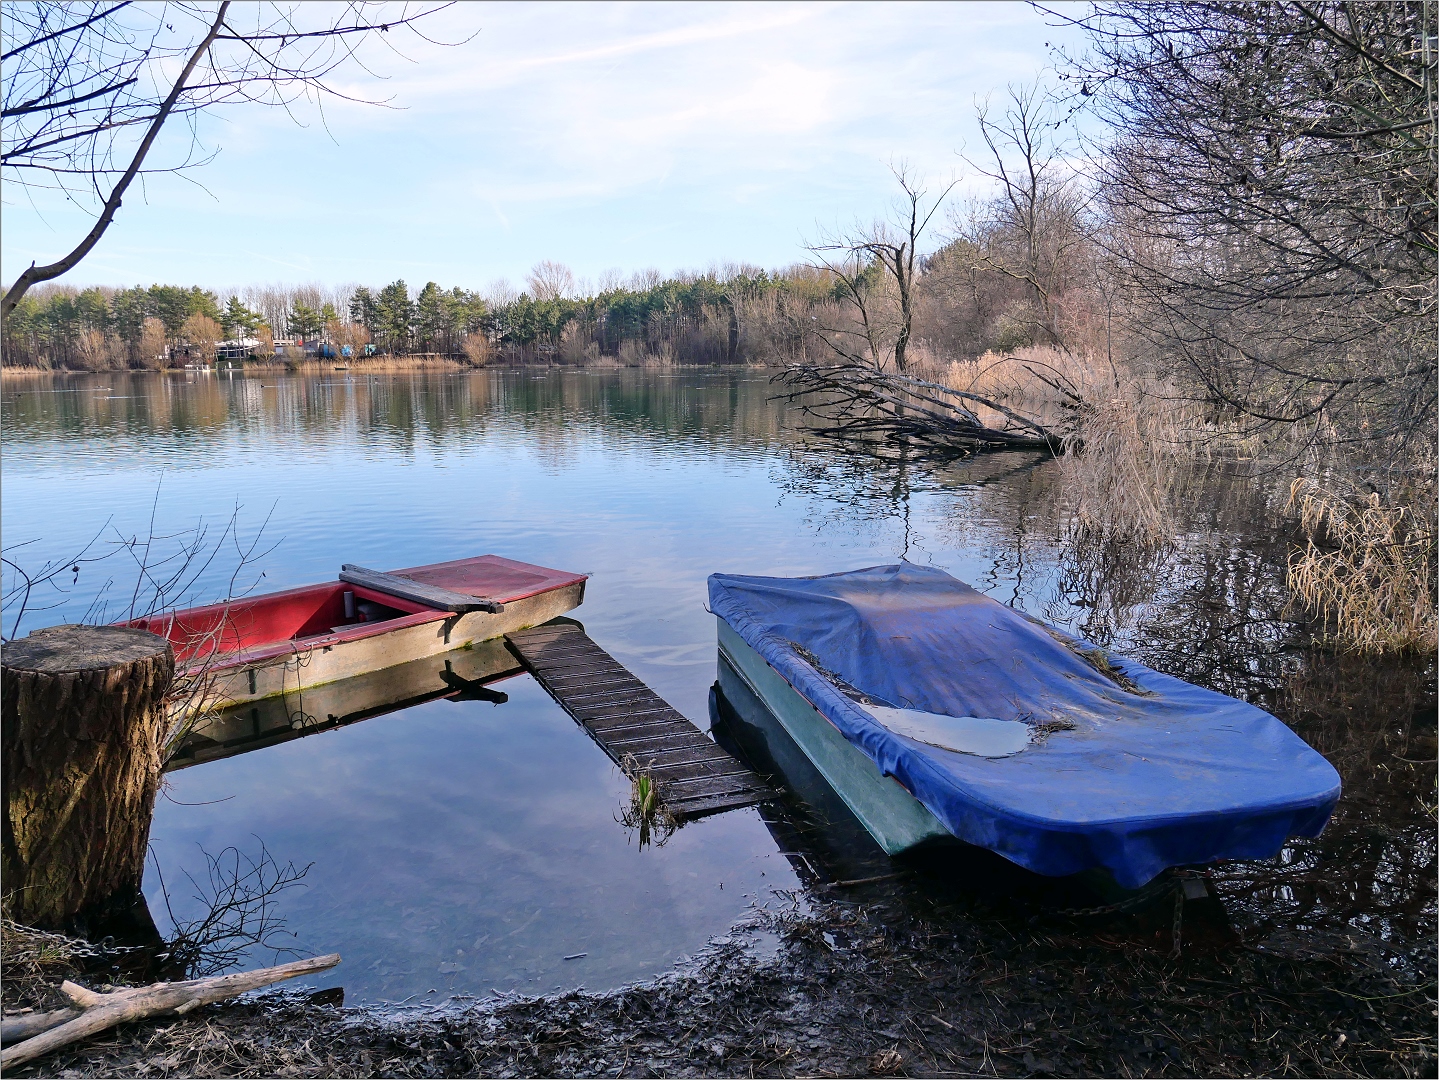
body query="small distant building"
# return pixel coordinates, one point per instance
(237, 349)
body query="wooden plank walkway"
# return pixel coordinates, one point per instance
(695, 777)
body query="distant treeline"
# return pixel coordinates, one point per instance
(743, 315)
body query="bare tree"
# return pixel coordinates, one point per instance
(1272, 171)
(876, 269)
(202, 334)
(550, 280)
(89, 86)
(154, 344)
(501, 293)
(1033, 230)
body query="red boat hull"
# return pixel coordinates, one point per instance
(263, 645)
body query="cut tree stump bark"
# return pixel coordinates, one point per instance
(82, 723)
(102, 1011)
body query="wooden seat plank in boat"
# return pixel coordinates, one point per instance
(418, 591)
(696, 777)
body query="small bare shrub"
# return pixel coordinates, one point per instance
(343, 335)
(203, 335)
(1367, 567)
(94, 351)
(572, 343)
(153, 344)
(478, 349)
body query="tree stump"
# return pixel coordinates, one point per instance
(83, 719)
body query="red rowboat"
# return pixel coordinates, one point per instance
(367, 620)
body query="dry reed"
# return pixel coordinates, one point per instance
(1131, 447)
(1367, 567)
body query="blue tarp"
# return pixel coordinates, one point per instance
(1171, 775)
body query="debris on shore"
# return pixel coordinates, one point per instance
(888, 983)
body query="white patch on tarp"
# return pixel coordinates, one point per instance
(980, 735)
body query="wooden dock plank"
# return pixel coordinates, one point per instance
(642, 744)
(695, 776)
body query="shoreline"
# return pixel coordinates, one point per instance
(385, 365)
(886, 983)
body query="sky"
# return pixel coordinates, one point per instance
(608, 137)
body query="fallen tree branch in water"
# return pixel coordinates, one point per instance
(99, 1012)
(858, 401)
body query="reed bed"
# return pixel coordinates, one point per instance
(1367, 567)
(1131, 446)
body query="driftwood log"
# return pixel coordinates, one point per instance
(856, 401)
(82, 723)
(21, 1026)
(96, 1012)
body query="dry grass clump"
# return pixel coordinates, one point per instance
(1130, 464)
(33, 963)
(1030, 379)
(1367, 567)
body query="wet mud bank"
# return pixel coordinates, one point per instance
(889, 984)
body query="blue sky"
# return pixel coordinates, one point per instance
(604, 136)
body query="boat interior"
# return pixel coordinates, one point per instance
(314, 610)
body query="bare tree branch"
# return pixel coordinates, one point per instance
(81, 76)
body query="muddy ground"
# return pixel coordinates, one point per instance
(892, 981)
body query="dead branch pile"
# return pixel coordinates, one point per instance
(855, 401)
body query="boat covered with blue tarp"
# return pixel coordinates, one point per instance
(1015, 736)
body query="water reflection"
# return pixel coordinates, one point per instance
(460, 676)
(463, 845)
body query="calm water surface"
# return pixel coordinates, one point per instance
(460, 847)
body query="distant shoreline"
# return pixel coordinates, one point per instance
(378, 365)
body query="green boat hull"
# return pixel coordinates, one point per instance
(895, 818)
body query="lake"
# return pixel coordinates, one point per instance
(463, 847)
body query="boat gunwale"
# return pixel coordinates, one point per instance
(415, 614)
(270, 650)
